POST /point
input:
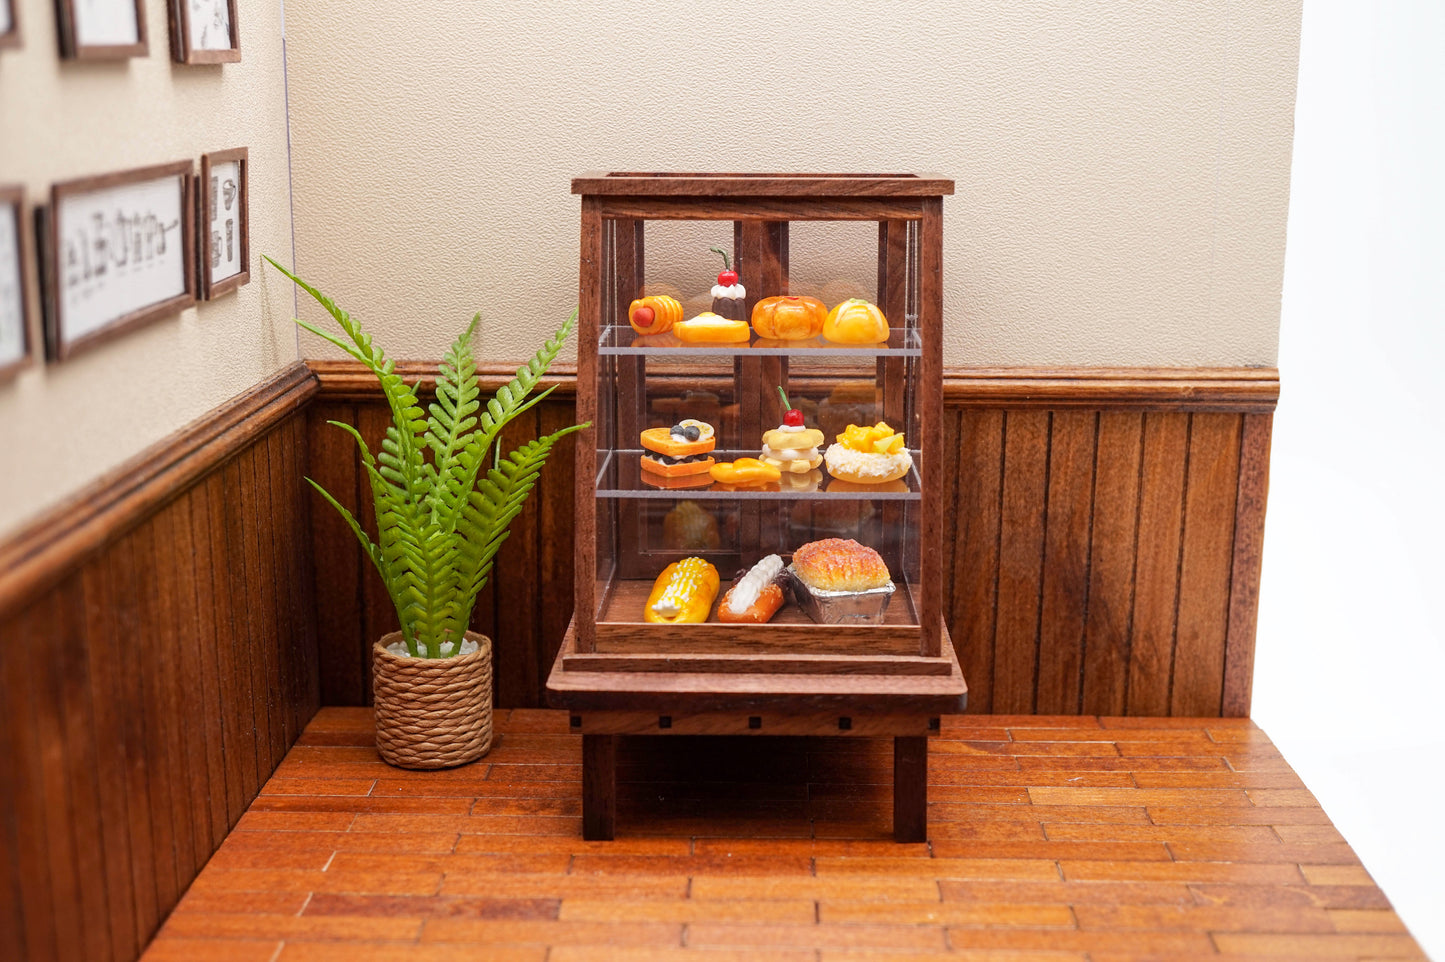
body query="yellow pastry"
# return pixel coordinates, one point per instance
(856, 321)
(682, 594)
(710, 328)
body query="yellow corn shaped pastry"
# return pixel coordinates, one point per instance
(683, 593)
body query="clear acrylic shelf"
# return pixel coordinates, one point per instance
(620, 476)
(623, 340)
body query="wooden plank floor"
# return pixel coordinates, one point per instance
(1061, 839)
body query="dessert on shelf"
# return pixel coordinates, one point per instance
(729, 297)
(789, 318)
(868, 455)
(679, 451)
(683, 593)
(689, 527)
(712, 328)
(792, 447)
(855, 321)
(654, 314)
(744, 472)
(837, 580)
(755, 595)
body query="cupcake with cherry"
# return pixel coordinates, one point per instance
(792, 447)
(868, 455)
(729, 297)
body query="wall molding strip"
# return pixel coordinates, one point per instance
(1238, 389)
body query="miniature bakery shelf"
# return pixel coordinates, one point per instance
(620, 475)
(623, 341)
(789, 674)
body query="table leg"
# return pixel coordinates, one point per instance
(910, 788)
(599, 787)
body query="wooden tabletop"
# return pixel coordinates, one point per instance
(1068, 839)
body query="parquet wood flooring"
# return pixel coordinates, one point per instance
(1068, 839)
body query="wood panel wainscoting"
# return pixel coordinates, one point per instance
(198, 604)
(1106, 527)
(157, 663)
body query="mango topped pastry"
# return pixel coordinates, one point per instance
(868, 455)
(792, 447)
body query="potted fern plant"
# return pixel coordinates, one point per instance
(444, 497)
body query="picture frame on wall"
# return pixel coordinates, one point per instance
(14, 284)
(204, 31)
(119, 252)
(9, 23)
(225, 223)
(102, 29)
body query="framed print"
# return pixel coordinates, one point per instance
(118, 254)
(14, 268)
(9, 23)
(102, 29)
(224, 224)
(204, 31)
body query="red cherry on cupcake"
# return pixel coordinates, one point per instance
(792, 417)
(726, 277)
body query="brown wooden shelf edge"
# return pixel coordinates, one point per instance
(733, 692)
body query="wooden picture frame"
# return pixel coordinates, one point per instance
(15, 347)
(9, 23)
(119, 253)
(101, 29)
(223, 222)
(195, 27)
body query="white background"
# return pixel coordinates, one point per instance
(1350, 658)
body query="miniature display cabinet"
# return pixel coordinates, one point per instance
(883, 664)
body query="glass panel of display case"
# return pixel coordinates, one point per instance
(657, 499)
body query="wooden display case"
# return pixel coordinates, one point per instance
(876, 237)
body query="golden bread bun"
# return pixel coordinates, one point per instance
(856, 321)
(835, 564)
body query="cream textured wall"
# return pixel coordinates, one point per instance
(63, 425)
(1122, 168)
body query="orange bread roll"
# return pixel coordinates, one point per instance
(789, 318)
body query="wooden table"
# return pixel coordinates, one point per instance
(605, 704)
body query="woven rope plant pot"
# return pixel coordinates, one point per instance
(432, 712)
